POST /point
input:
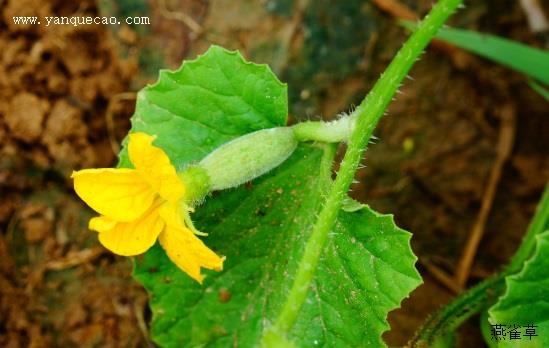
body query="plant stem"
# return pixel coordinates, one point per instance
(367, 116)
(454, 314)
(309, 260)
(327, 132)
(484, 294)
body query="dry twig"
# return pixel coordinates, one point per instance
(74, 259)
(536, 17)
(441, 276)
(396, 9)
(504, 147)
(139, 310)
(288, 35)
(181, 17)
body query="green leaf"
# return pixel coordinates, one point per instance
(350, 205)
(522, 58)
(366, 270)
(367, 267)
(539, 224)
(526, 300)
(525, 59)
(207, 102)
(528, 60)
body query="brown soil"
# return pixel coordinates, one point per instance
(58, 288)
(62, 108)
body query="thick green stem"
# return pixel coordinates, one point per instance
(367, 116)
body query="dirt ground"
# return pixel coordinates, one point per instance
(66, 96)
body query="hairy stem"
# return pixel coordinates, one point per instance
(367, 116)
(458, 311)
(327, 132)
(310, 257)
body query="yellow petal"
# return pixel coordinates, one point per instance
(154, 166)
(188, 252)
(132, 238)
(171, 214)
(101, 224)
(120, 194)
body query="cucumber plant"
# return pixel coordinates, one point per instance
(288, 260)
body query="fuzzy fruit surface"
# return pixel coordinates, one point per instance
(248, 157)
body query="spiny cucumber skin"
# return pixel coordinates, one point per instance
(247, 157)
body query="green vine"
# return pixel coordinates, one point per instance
(367, 116)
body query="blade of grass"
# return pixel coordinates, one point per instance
(522, 58)
(540, 89)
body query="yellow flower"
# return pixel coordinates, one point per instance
(139, 205)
